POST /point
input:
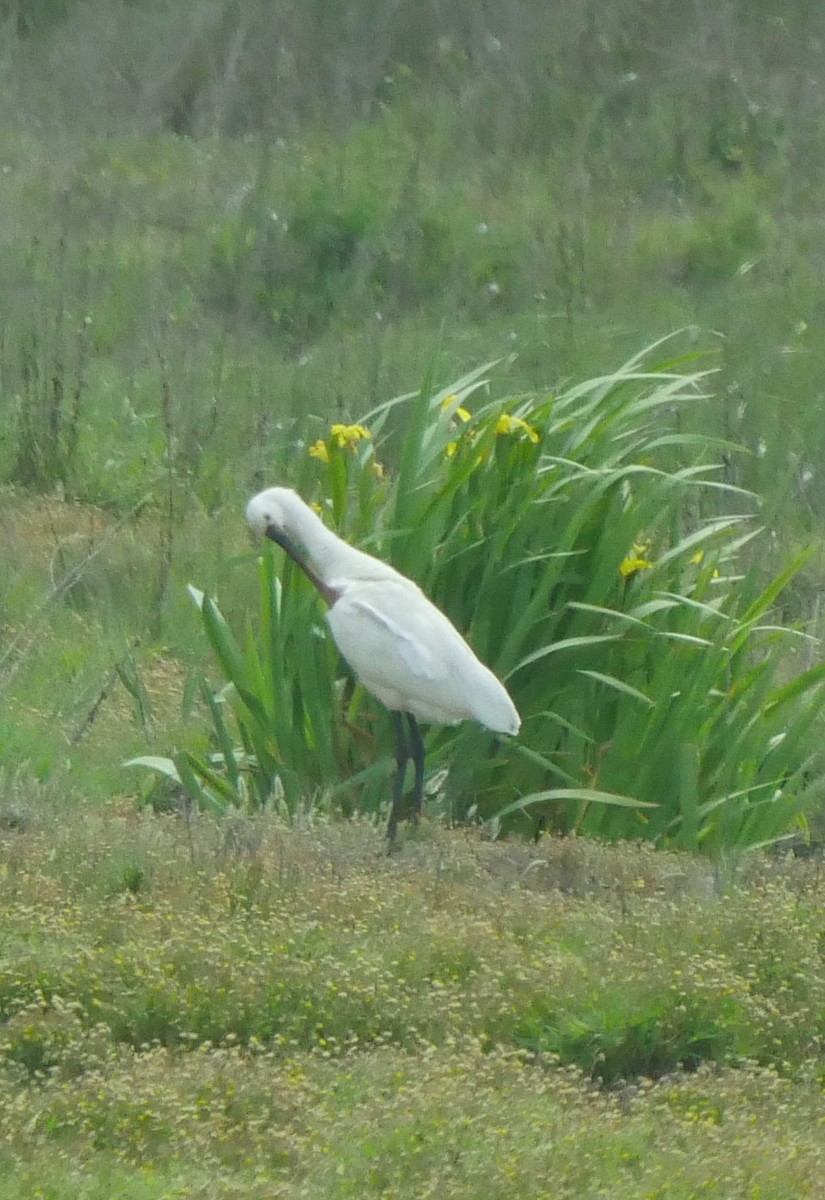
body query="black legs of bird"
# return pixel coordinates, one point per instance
(402, 648)
(406, 749)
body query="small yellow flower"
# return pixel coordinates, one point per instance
(630, 565)
(699, 558)
(637, 560)
(319, 450)
(378, 469)
(508, 425)
(464, 415)
(348, 435)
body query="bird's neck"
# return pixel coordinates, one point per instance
(329, 556)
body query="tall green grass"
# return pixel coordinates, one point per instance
(617, 593)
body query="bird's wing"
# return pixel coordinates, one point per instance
(409, 655)
(416, 656)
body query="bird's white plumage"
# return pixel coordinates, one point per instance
(402, 648)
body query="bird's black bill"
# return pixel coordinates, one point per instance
(280, 539)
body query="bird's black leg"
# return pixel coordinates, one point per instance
(417, 754)
(402, 754)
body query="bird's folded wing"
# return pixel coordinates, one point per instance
(416, 656)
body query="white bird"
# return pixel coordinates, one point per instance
(402, 648)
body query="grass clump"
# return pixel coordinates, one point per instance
(607, 584)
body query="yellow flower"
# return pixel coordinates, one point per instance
(378, 469)
(348, 435)
(632, 564)
(464, 415)
(699, 558)
(637, 560)
(319, 450)
(508, 425)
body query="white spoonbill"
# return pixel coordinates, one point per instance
(402, 648)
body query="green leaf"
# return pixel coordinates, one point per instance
(222, 733)
(775, 588)
(584, 795)
(164, 766)
(574, 643)
(619, 686)
(808, 681)
(223, 643)
(198, 794)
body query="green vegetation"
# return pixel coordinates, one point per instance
(646, 670)
(242, 1005)
(226, 229)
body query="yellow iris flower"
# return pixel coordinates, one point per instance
(510, 426)
(464, 415)
(320, 450)
(342, 437)
(348, 435)
(637, 560)
(699, 558)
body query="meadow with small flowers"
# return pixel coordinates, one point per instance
(527, 301)
(257, 1008)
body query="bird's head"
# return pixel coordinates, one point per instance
(271, 513)
(281, 515)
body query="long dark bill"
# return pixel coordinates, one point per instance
(328, 594)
